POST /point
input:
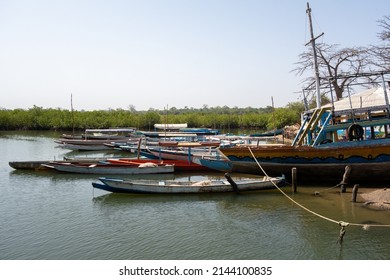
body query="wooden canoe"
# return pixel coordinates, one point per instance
(187, 187)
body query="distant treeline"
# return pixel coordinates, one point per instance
(38, 118)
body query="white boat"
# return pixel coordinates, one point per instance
(95, 139)
(186, 187)
(85, 146)
(110, 169)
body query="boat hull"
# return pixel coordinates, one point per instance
(110, 169)
(360, 172)
(215, 164)
(172, 187)
(86, 147)
(179, 164)
(368, 163)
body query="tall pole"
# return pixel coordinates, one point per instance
(71, 106)
(273, 117)
(166, 122)
(313, 45)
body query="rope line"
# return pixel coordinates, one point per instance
(342, 224)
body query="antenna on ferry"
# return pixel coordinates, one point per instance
(313, 45)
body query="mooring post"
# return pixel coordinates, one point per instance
(355, 192)
(345, 180)
(231, 182)
(139, 148)
(294, 179)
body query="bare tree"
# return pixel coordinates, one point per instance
(384, 23)
(131, 108)
(334, 62)
(381, 54)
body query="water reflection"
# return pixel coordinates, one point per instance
(51, 215)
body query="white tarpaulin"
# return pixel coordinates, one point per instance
(369, 99)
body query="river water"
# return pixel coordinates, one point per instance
(48, 215)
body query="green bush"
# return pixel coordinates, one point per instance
(38, 118)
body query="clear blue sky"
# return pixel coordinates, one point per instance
(154, 53)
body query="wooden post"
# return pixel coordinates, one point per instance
(355, 192)
(345, 180)
(294, 179)
(230, 180)
(139, 148)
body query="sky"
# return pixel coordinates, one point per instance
(155, 54)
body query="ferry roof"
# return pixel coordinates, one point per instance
(372, 99)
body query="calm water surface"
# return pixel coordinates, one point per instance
(46, 215)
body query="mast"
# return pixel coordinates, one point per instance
(273, 117)
(166, 122)
(313, 45)
(71, 107)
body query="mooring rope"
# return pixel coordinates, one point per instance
(342, 224)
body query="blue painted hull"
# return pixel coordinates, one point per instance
(215, 164)
(327, 163)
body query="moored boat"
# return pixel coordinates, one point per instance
(329, 139)
(104, 168)
(182, 153)
(187, 187)
(270, 133)
(368, 164)
(40, 164)
(85, 145)
(29, 165)
(180, 165)
(219, 164)
(95, 139)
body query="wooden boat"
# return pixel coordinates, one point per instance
(319, 151)
(85, 145)
(95, 139)
(369, 163)
(268, 133)
(29, 165)
(104, 134)
(40, 164)
(104, 168)
(329, 139)
(200, 131)
(219, 164)
(187, 144)
(183, 128)
(183, 153)
(168, 135)
(186, 187)
(110, 133)
(179, 164)
(94, 144)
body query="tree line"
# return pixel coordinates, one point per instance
(225, 118)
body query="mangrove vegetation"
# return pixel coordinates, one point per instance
(225, 118)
